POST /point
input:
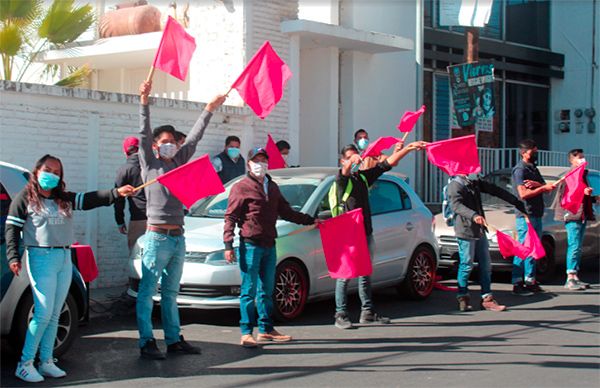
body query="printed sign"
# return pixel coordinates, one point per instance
(472, 86)
(468, 13)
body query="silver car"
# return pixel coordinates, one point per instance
(501, 215)
(405, 246)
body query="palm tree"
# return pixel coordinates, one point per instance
(26, 29)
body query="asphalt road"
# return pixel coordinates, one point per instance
(547, 340)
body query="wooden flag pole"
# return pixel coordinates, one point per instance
(405, 136)
(145, 184)
(305, 229)
(230, 89)
(150, 74)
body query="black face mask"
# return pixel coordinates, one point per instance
(534, 157)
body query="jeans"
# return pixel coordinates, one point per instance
(50, 271)
(525, 269)
(468, 250)
(575, 232)
(364, 288)
(257, 266)
(163, 259)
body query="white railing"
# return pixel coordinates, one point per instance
(491, 159)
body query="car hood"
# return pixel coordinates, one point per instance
(501, 217)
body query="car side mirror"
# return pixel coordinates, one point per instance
(324, 215)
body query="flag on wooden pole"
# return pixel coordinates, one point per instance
(175, 50)
(375, 148)
(455, 156)
(573, 194)
(276, 161)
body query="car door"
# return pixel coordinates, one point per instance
(591, 239)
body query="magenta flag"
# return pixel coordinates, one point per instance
(533, 243)
(276, 161)
(175, 50)
(409, 119)
(192, 181)
(375, 148)
(455, 156)
(509, 247)
(345, 246)
(262, 82)
(574, 189)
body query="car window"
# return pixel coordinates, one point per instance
(594, 182)
(386, 197)
(500, 180)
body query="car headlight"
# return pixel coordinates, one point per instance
(212, 258)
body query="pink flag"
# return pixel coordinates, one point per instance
(455, 156)
(509, 247)
(409, 119)
(345, 246)
(262, 81)
(533, 243)
(192, 181)
(574, 189)
(275, 159)
(175, 50)
(375, 148)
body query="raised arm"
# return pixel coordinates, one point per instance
(146, 139)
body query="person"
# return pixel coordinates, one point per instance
(229, 164)
(164, 247)
(361, 142)
(284, 149)
(575, 224)
(529, 186)
(470, 228)
(43, 212)
(130, 174)
(255, 203)
(359, 198)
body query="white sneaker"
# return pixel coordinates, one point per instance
(49, 369)
(27, 372)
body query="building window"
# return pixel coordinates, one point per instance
(442, 117)
(528, 22)
(527, 114)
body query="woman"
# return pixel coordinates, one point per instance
(43, 211)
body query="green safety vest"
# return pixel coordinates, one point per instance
(337, 207)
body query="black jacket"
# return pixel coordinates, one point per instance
(465, 200)
(130, 174)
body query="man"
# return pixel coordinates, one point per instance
(575, 223)
(130, 174)
(229, 164)
(469, 226)
(359, 198)
(529, 186)
(284, 149)
(255, 203)
(164, 248)
(361, 141)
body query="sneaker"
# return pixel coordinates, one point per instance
(342, 321)
(584, 284)
(490, 304)
(150, 351)
(274, 336)
(573, 285)
(27, 372)
(521, 290)
(368, 317)
(182, 347)
(534, 287)
(49, 369)
(463, 303)
(248, 341)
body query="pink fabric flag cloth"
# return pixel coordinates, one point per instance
(509, 247)
(409, 119)
(375, 148)
(455, 156)
(275, 159)
(574, 189)
(262, 82)
(86, 262)
(175, 50)
(192, 181)
(533, 243)
(345, 246)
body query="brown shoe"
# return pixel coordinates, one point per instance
(274, 336)
(490, 304)
(463, 303)
(248, 341)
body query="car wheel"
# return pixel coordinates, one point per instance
(291, 290)
(546, 266)
(67, 323)
(420, 274)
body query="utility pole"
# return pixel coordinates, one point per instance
(471, 54)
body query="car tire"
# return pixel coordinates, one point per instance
(546, 266)
(67, 323)
(420, 274)
(291, 290)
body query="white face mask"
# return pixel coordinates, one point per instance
(580, 161)
(285, 157)
(167, 150)
(259, 169)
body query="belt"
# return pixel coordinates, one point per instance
(167, 232)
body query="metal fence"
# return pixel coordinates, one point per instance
(432, 179)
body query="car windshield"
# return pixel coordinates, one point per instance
(295, 190)
(505, 182)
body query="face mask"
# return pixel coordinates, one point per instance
(233, 152)
(581, 161)
(362, 143)
(47, 180)
(285, 157)
(259, 170)
(167, 150)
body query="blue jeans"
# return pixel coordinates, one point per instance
(575, 232)
(468, 250)
(364, 287)
(50, 271)
(163, 259)
(257, 266)
(525, 269)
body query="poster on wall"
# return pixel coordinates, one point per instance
(472, 90)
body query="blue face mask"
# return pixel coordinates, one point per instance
(233, 152)
(47, 180)
(362, 143)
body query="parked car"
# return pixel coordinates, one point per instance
(502, 215)
(405, 253)
(16, 305)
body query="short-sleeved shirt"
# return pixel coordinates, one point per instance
(521, 173)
